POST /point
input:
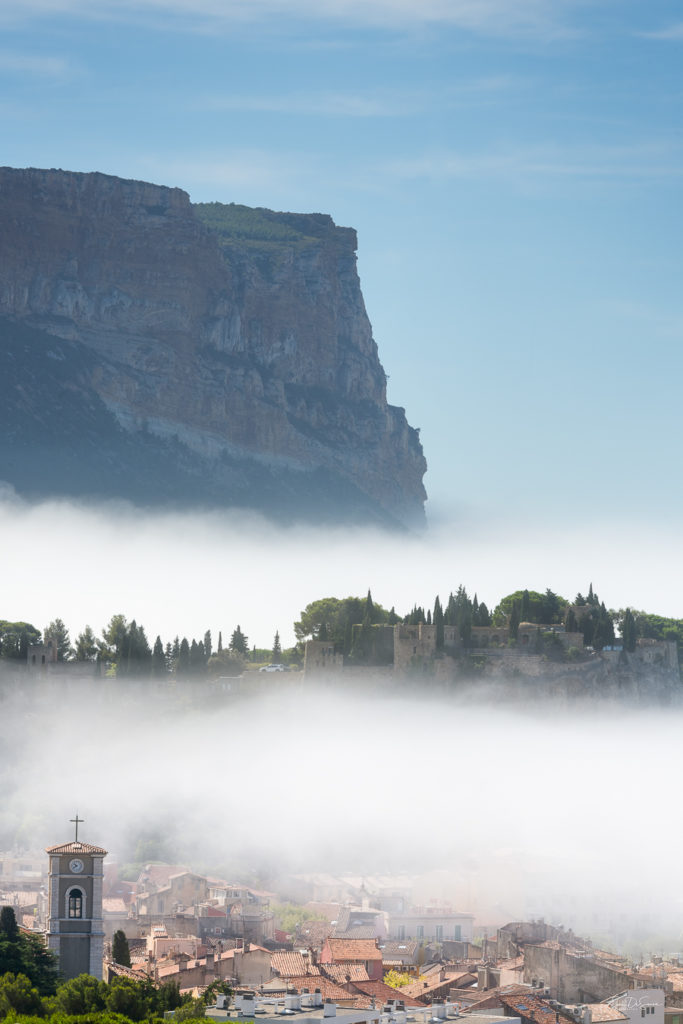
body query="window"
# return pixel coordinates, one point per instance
(420, 931)
(401, 931)
(457, 933)
(75, 903)
(439, 933)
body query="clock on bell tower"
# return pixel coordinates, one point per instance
(74, 924)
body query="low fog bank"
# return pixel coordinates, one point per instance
(181, 574)
(504, 812)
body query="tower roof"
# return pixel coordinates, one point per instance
(76, 847)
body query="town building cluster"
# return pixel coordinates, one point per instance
(362, 952)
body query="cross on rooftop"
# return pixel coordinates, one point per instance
(77, 821)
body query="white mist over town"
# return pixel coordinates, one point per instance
(181, 573)
(497, 808)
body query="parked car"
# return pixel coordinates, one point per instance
(273, 668)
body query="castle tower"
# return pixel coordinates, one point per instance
(74, 924)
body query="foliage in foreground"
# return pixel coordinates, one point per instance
(85, 1000)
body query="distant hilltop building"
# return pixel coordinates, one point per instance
(74, 925)
(549, 653)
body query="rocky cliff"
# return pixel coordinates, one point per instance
(158, 350)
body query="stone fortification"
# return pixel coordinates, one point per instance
(209, 353)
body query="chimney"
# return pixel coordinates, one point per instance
(330, 1009)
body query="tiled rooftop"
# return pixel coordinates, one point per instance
(354, 949)
(74, 847)
(340, 972)
(288, 963)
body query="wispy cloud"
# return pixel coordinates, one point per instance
(590, 162)
(27, 64)
(362, 105)
(673, 33)
(491, 17)
(325, 104)
(238, 169)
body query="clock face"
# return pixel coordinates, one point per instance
(76, 866)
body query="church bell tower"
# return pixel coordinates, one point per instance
(74, 924)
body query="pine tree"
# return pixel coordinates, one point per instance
(207, 644)
(86, 646)
(220, 641)
(114, 636)
(59, 635)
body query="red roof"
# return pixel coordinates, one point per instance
(74, 847)
(383, 993)
(354, 949)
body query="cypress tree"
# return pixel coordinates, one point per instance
(515, 620)
(628, 631)
(182, 665)
(159, 668)
(276, 653)
(9, 929)
(437, 619)
(239, 643)
(120, 950)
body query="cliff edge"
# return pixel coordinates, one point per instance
(208, 354)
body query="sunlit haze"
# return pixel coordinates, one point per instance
(182, 573)
(513, 169)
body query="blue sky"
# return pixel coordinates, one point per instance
(513, 169)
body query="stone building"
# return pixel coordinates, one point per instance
(74, 925)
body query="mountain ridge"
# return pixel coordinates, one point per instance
(246, 361)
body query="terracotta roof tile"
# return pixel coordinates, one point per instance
(328, 989)
(340, 972)
(75, 848)
(533, 1008)
(602, 1012)
(354, 949)
(393, 949)
(383, 993)
(288, 963)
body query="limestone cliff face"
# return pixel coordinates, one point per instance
(230, 343)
